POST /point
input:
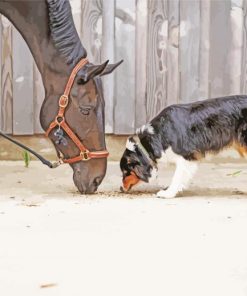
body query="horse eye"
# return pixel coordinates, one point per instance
(85, 110)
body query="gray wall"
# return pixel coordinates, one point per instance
(174, 51)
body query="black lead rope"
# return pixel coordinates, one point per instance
(41, 158)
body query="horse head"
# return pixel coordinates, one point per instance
(85, 111)
(85, 117)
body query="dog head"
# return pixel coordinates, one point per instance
(135, 165)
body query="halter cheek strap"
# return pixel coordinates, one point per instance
(60, 121)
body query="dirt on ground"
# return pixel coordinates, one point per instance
(55, 241)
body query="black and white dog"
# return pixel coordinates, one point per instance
(190, 131)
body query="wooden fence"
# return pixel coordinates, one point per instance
(173, 50)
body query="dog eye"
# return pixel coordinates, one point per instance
(85, 110)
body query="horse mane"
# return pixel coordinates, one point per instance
(63, 31)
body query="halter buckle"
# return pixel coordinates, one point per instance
(84, 155)
(63, 101)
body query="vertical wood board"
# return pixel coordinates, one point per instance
(141, 66)
(204, 54)
(157, 34)
(124, 113)
(236, 45)
(1, 62)
(244, 51)
(108, 53)
(7, 77)
(22, 87)
(220, 40)
(189, 50)
(173, 53)
(91, 28)
(38, 98)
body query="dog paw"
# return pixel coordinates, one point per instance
(166, 194)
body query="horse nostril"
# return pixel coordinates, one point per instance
(97, 181)
(78, 173)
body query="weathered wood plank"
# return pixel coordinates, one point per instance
(141, 66)
(189, 50)
(76, 11)
(124, 113)
(173, 77)
(1, 62)
(204, 49)
(38, 98)
(108, 53)
(220, 39)
(244, 51)
(22, 87)
(7, 77)
(157, 35)
(235, 46)
(91, 28)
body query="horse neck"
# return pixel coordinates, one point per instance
(34, 28)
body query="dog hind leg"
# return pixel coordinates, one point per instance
(184, 172)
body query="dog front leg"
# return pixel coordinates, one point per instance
(185, 170)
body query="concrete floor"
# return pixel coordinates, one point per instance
(55, 242)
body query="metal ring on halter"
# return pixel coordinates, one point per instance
(58, 121)
(85, 155)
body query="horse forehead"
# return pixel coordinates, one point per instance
(91, 89)
(90, 85)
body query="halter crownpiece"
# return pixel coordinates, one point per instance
(60, 121)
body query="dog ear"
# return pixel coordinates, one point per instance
(131, 144)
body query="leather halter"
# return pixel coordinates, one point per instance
(60, 121)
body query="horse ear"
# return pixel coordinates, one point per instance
(91, 71)
(110, 68)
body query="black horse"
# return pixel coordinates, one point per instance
(48, 29)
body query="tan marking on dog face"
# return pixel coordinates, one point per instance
(130, 181)
(242, 150)
(197, 155)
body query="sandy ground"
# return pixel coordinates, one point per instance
(55, 242)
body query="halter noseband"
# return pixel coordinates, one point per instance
(60, 121)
